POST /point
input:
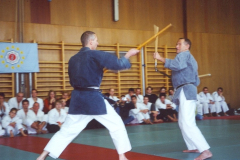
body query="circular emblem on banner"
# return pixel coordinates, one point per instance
(12, 57)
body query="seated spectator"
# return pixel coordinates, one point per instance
(64, 107)
(65, 95)
(35, 121)
(152, 97)
(152, 109)
(124, 109)
(199, 106)
(2, 131)
(163, 90)
(34, 99)
(139, 96)
(111, 95)
(16, 102)
(219, 99)
(4, 108)
(12, 124)
(207, 102)
(49, 102)
(167, 109)
(56, 118)
(170, 94)
(140, 112)
(130, 94)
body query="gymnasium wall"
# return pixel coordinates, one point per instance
(212, 25)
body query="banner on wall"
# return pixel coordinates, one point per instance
(18, 58)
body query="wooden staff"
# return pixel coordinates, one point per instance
(204, 75)
(149, 40)
(156, 29)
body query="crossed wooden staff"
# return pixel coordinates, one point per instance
(157, 33)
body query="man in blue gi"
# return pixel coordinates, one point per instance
(87, 103)
(185, 79)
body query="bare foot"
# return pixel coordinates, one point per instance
(43, 155)
(11, 134)
(43, 132)
(157, 121)
(122, 157)
(204, 155)
(191, 151)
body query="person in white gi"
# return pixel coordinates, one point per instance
(111, 95)
(141, 111)
(130, 94)
(34, 99)
(34, 120)
(16, 102)
(2, 131)
(220, 102)
(199, 105)
(167, 106)
(139, 96)
(4, 108)
(207, 102)
(64, 107)
(56, 118)
(85, 71)
(151, 109)
(185, 80)
(13, 124)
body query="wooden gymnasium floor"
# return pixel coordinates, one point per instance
(161, 141)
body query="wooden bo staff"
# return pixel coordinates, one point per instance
(149, 40)
(204, 75)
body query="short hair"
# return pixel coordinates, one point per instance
(25, 100)
(162, 94)
(86, 36)
(220, 88)
(59, 102)
(13, 109)
(122, 96)
(149, 87)
(62, 92)
(187, 41)
(19, 93)
(170, 89)
(163, 88)
(133, 96)
(35, 90)
(205, 88)
(130, 90)
(2, 94)
(36, 103)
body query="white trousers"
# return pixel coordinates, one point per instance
(221, 106)
(199, 109)
(15, 130)
(187, 123)
(74, 124)
(207, 106)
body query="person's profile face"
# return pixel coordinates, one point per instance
(145, 100)
(134, 100)
(25, 105)
(205, 90)
(94, 43)
(52, 95)
(162, 98)
(12, 114)
(35, 107)
(111, 92)
(181, 46)
(149, 91)
(19, 97)
(34, 94)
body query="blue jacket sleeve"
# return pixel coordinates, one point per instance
(178, 63)
(109, 61)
